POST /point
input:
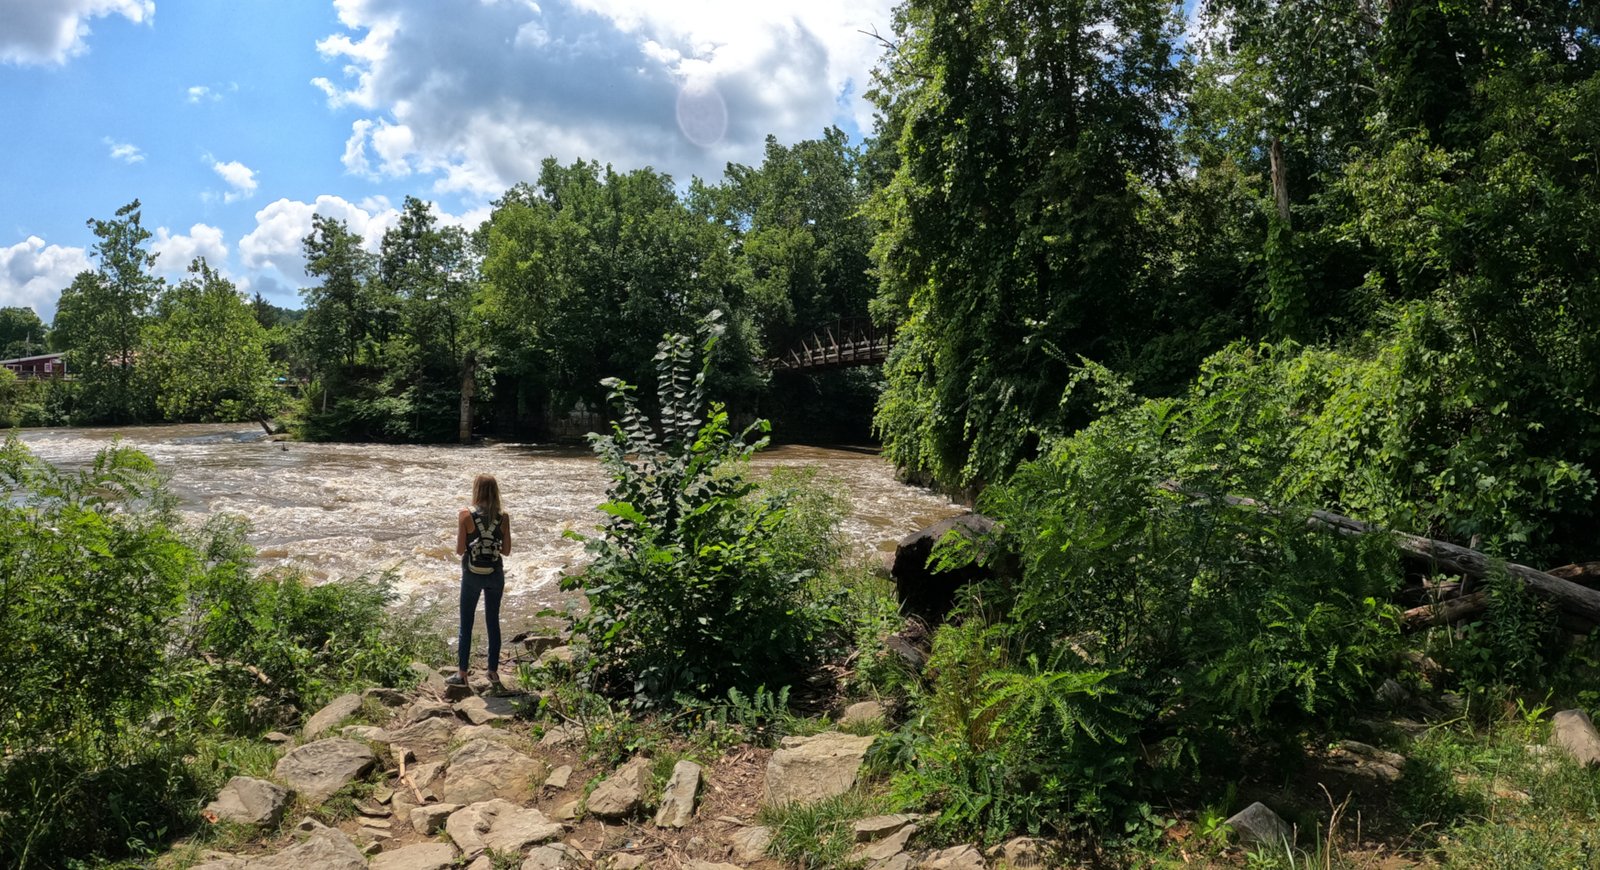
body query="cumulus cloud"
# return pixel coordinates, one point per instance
(277, 242)
(125, 152)
(175, 251)
(33, 274)
(476, 95)
(53, 31)
(241, 178)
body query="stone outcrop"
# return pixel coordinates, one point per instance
(1572, 732)
(863, 714)
(426, 739)
(750, 844)
(249, 801)
(559, 777)
(927, 593)
(481, 710)
(1258, 824)
(555, 856)
(422, 856)
(677, 799)
(955, 858)
(499, 825)
(317, 770)
(429, 820)
(485, 769)
(809, 769)
(622, 793)
(325, 849)
(336, 711)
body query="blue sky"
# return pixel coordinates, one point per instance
(234, 121)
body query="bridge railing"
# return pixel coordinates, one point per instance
(854, 341)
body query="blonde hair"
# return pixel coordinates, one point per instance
(486, 496)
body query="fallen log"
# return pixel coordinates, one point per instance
(1442, 556)
(1582, 573)
(1447, 612)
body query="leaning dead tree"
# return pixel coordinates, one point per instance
(1572, 598)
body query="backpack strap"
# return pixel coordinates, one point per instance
(485, 532)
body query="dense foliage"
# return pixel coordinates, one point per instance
(136, 646)
(699, 578)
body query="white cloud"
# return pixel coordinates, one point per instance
(238, 176)
(52, 31)
(33, 274)
(476, 95)
(125, 152)
(277, 242)
(200, 93)
(174, 252)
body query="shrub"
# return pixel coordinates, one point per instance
(699, 581)
(134, 647)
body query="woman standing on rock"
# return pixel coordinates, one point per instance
(483, 535)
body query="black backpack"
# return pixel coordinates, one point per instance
(483, 549)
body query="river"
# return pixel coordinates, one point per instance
(342, 510)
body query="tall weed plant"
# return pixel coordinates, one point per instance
(699, 579)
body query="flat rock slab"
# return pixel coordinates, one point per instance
(677, 799)
(325, 849)
(427, 708)
(249, 801)
(483, 709)
(485, 769)
(500, 825)
(1574, 733)
(555, 856)
(878, 827)
(317, 770)
(429, 820)
(955, 858)
(559, 777)
(1258, 824)
(810, 769)
(336, 711)
(422, 856)
(386, 696)
(887, 847)
(750, 844)
(426, 739)
(622, 793)
(1021, 852)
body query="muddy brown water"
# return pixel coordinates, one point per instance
(342, 510)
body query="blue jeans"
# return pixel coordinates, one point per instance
(490, 586)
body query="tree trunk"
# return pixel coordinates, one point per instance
(469, 389)
(1280, 180)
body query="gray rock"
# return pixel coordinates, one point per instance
(422, 856)
(425, 774)
(499, 825)
(863, 714)
(277, 738)
(562, 655)
(317, 770)
(563, 735)
(469, 733)
(1574, 733)
(426, 739)
(324, 849)
(559, 777)
(219, 861)
(622, 793)
(750, 844)
(1363, 759)
(427, 708)
(810, 769)
(877, 827)
(955, 858)
(555, 856)
(888, 846)
(677, 800)
(370, 733)
(485, 769)
(482, 862)
(1022, 852)
(624, 861)
(902, 861)
(429, 820)
(249, 801)
(480, 710)
(1260, 825)
(336, 711)
(567, 811)
(927, 592)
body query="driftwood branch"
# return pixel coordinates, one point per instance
(1446, 612)
(1570, 597)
